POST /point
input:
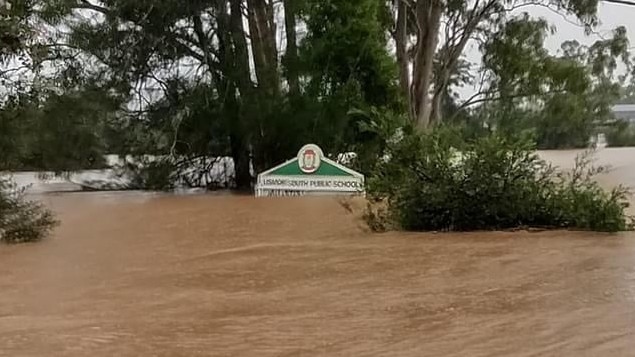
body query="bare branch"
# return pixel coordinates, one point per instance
(621, 2)
(85, 4)
(472, 101)
(13, 70)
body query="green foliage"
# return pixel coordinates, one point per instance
(515, 56)
(57, 132)
(565, 122)
(621, 135)
(13, 120)
(582, 203)
(371, 133)
(431, 182)
(68, 134)
(153, 175)
(346, 46)
(189, 93)
(170, 78)
(21, 220)
(351, 101)
(562, 99)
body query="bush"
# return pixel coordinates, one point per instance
(432, 184)
(21, 220)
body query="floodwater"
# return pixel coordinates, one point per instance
(131, 274)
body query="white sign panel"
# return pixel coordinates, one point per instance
(317, 183)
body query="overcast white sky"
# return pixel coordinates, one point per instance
(611, 16)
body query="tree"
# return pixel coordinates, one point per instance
(562, 98)
(439, 31)
(144, 46)
(215, 71)
(215, 77)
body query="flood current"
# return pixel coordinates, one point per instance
(139, 274)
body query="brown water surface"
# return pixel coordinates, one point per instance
(154, 275)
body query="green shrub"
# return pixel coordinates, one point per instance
(430, 183)
(21, 220)
(581, 203)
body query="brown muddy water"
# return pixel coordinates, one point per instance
(151, 275)
(129, 274)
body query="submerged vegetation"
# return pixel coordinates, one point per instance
(434, 182)
(21, 220)
(493, 182)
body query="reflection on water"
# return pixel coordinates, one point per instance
(133, 274)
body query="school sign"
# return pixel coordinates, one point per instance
(310, 173)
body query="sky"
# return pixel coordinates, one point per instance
(610, 15)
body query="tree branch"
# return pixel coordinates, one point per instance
(12, 70)
(621, 2)
(202, 40)
(472, 101)
(85, 4)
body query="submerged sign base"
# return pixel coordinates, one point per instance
(310, 173)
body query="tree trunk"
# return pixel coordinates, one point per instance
(240, 154)
(272, 49)
(263, 43)
(255, 34)
(401, 41)
(242, 70)
(437, 101)
(291, 54)
(440, 88)
(428, 21)
(234, 58)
